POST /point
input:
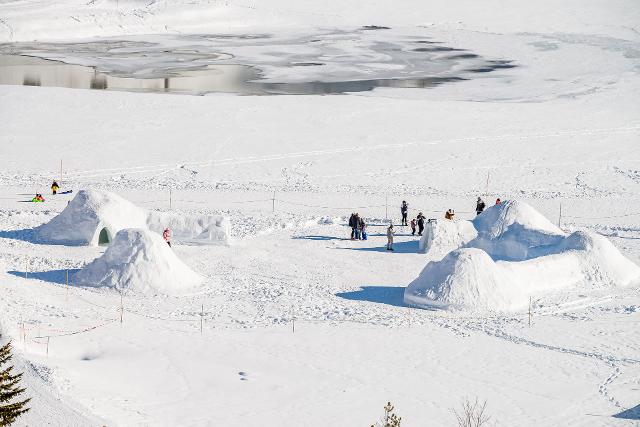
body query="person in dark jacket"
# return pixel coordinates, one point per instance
(413, 226)
(479, 206)
(420, 219)
(404, 210)
(356, 224)
(353, 225)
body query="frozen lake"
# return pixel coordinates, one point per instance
(325, 63)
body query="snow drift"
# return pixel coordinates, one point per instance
(517, 254)
(94, 217)
(141, 261)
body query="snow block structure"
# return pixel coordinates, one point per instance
(442, 236)
(139, 260)
(517, 253)
(94, 217)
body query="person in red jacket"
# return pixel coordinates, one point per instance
(498, 201)
(166, 235)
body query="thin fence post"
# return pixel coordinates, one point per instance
(560, 217)
(530, 314)
(66, 297)
(201, 316)
(486, 190)
(48, 346)
(386, 206)
(273, 202)
(169, 198)
(293, 322)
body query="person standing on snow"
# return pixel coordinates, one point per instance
(166, 235)
(421, 219)
(479, 206)
(352, 224)
(54, 188)
(413, 227)
(356, 224)
(404, 210)
(390, 237)
(363, 233)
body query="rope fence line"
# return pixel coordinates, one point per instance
(288, 318)
(274, 200)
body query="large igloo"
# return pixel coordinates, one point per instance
(516, 254)
(139, 261)
(94, 217)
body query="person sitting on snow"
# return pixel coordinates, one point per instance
(449, 214)
(498, 201)
(38, 198)
(54, 188)
(166, 235)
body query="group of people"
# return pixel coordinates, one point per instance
(54, 190)
(480, 205)
(357, 224)
(358, 227)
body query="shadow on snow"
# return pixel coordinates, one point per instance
(53, 276)
(410, 247)
(629, 414)
(26, 235)
(390, 295)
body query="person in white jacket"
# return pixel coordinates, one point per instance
(390, 237)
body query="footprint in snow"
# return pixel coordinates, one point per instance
(243, 376)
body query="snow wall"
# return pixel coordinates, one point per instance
(442, 236)
(517, 253)
(92, 211)
(139, 260)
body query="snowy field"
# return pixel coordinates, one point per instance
(295, 324)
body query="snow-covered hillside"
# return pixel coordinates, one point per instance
(294, 323)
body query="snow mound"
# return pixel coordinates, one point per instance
(141, 261)
(94, 217)
(465, 278)
(509, 230)
(517, 254)
(442, 237)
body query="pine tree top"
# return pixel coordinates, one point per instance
(10, 389)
